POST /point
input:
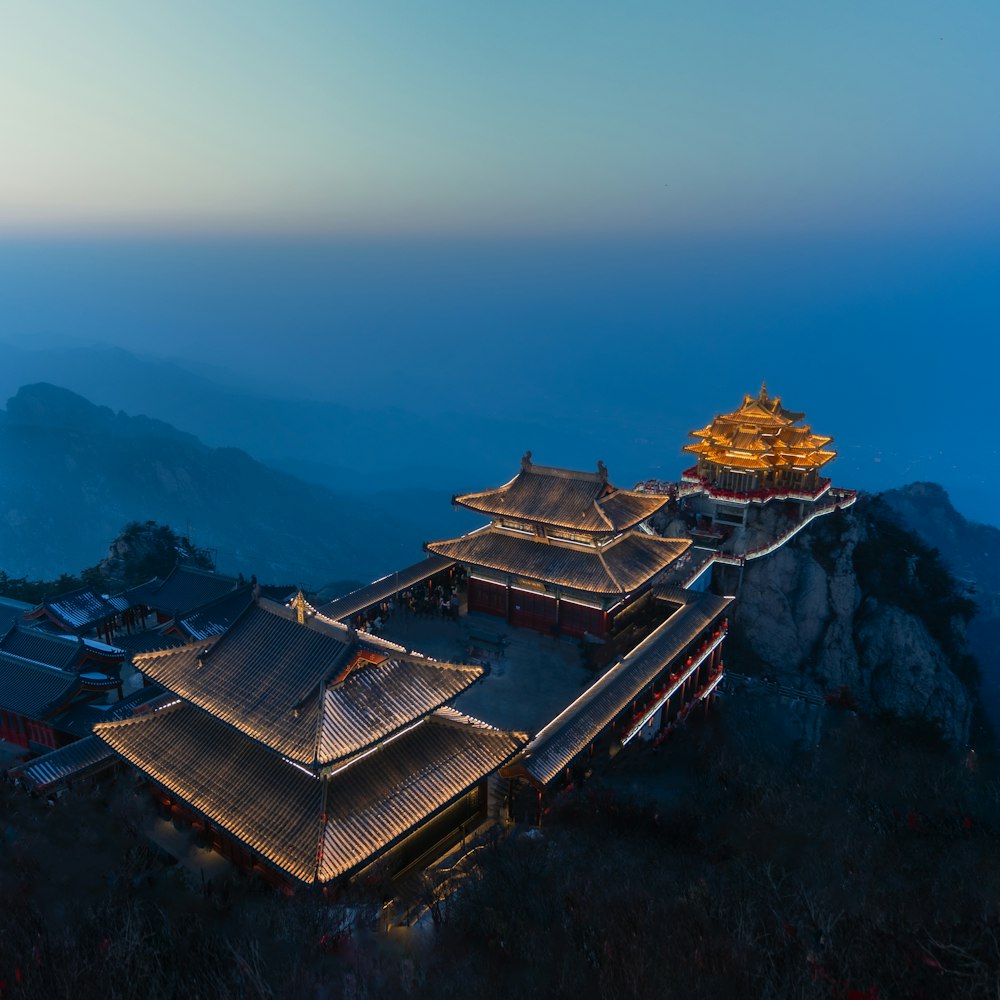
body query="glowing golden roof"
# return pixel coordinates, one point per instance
(761, 434)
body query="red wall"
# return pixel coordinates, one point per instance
(490, 598)
(536, 611)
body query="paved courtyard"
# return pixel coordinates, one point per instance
(532, 677)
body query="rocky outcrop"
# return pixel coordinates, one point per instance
(857, 605)
(972, 552)
(144, 550)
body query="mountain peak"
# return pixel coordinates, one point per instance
(44, 405)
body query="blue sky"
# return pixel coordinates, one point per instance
(562, 117)
(611, 219)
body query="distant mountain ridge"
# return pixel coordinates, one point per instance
(72, 474)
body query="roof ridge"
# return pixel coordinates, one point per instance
(600, 510)
(320, 716)
(37, 663)
(555, 472)
(172, 706)
(173, 650)
(325, 785)
(607, 569)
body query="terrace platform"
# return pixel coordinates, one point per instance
(532, 677)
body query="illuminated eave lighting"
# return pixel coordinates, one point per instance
(667, 695)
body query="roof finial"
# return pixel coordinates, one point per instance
(299, 603)
(763, 389)
(526, 461)
(602, 470)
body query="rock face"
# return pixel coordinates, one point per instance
(972, 552)
(854, 602)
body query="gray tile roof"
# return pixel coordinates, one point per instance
(63, 651)
(373, 803)
(315, 829)
(575, 727)
(32, 689)
(214, 618)
(186, 588)
(378, 699)
(618, 567)
(270, 804)
(81, 609)
(81, 717)
(281, 683)
(11, 611)
(83, 757)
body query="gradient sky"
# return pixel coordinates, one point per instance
(612, 219)
(522, 117)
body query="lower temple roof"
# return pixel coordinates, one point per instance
(618, 567)
(34, 689)
(313, 828)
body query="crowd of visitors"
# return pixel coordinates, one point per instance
(425, 600)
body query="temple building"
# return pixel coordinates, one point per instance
(308, 752)
(758, 451)
(83, 612)
(563, 554)
(42, 678)
(754, 455)
(647, 693)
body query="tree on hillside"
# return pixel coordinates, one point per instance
(141, 551)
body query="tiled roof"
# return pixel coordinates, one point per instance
(73, 761)
(276, 681)
(32, 689)
(81, 717)
(63, 651)
(80, 609)
(278, 809)
(186, 588)
(215, 617)
(576, 726)
(622, 566)
(148, 642)
(272, 805)
(580, 501)
(11, 611)
(377, 699)
(373, 803)
(763, 427)
(358, 600)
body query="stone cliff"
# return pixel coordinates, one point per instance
(858, 605)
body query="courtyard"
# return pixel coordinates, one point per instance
(531, 679)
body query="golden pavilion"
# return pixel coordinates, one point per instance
(758, 450)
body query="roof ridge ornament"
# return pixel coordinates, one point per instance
(299, 604)
(602, 471)
(526, 462)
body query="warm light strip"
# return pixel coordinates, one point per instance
(664, 698)
(711, 687)
(371, 750)
(302, 768)
(553, 597)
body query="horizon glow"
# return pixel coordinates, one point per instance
(442, 118)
